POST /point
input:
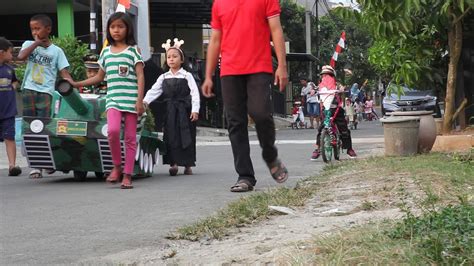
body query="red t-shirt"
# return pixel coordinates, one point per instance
(245, 43)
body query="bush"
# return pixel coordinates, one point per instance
(74, 49)
(445, 236)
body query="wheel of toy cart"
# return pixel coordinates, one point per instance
(80, 175)
(99, 175)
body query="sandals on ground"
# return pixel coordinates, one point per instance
(173, 170)
(50, 171)
(126, 182)
(114, 176)
(242, 186)
(14, 171)
(36, 174)
(278, 171)
(188, 171)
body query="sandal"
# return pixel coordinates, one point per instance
(36, 174)
(114, 175)
(188, 171)
(14, 171)
(173, 170)
(278, 171)
(50, 171)
(242, 186)
(126, 182)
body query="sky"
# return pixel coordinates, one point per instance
(353, 2)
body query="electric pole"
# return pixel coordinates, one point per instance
(317, 35)
(93, 26)
(308, 37)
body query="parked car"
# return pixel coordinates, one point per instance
(410, 100)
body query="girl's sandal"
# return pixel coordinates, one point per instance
(126, 182)
(114, 176)
(14, 171)
(36, 174)
(278, 171)
(188, 171)
(173, 170)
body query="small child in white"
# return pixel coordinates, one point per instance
(298, 115)
(181, 95)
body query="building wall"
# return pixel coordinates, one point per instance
(21, 29)
(192, 39)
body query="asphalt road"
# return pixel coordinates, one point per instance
(57, 220)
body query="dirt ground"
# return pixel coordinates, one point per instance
(342, 202)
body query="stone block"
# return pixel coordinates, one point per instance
(453, 143)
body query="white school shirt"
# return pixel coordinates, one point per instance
(156, 90)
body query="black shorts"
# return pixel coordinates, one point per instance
(7, 128)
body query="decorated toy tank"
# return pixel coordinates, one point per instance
(74, 137)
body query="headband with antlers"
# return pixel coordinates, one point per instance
(177, 44)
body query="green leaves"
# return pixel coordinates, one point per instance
(75, 50)
(409, 37)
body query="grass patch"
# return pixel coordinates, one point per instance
(246, 210)
(443, 178)
(443, 237)
(442, 233)
(367, 245)
(254, 207)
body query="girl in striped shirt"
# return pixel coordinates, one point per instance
(122, 64)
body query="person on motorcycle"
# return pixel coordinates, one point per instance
(328, 82)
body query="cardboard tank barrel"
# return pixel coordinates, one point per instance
(74, 137)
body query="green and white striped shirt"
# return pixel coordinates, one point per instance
(122, 85)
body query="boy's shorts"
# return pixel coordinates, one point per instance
(313, 109)
(7, 129)
(36, 103)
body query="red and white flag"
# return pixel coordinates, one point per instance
(123, 5)
(340, 45)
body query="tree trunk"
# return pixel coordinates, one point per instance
(455, 46)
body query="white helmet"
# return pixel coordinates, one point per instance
(328, 70)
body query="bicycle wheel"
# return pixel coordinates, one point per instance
(326, 146)
(338, 146)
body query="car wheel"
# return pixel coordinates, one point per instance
(99, 175)
(80, 175)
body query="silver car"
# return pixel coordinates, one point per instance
(410, 100)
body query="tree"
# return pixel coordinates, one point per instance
(358, 41)
(412, 30)
(292, 19)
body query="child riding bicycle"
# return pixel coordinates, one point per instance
(328, 84)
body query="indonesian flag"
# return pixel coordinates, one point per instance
(340, 45)
(123, 5)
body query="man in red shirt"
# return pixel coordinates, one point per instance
(241, 34)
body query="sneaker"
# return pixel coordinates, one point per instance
(351, 153)
(315, 155)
